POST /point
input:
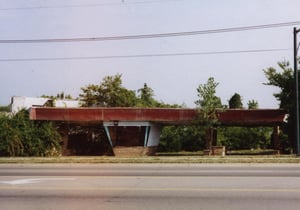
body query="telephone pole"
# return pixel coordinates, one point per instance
(296, 46)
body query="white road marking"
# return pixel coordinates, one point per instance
(31, 181)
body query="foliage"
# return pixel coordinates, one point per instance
(109, 93)
(284, 80)
(235, 102)
(236, 138)
(193, 138)
(179, 138)
(245, 138)
(208, 102)
(19, 136)
(145, 97)
(10, 141)
(61, 96)
(170, 140)
(4, 108)
(252, 104)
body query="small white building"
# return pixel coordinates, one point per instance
(23, 102)
(66, 103)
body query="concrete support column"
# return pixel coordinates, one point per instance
(152, 137)
(108, 136)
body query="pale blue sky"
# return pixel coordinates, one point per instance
(174, 79)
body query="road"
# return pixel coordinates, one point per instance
(149, 186)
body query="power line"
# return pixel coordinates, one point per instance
(143, 55)
(152, 36)
(85, 5)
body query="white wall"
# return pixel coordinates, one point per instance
(23, 102)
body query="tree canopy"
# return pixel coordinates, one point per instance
(284, 80)
(252, 104)
(208, 102)
(235, 102)
(60, 95)
(145, 97)
(109, 93)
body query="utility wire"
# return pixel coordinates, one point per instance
(85, 5)
(151, 36)
(143, 55)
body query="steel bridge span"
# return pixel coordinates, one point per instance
(149, 122)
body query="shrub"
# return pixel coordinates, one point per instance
(19, 136)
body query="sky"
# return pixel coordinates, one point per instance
(34, 69)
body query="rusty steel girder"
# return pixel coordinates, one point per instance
(230, 117)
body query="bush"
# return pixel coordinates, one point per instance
(245, 138)
(4, 108)
(181, 138)
(19, 136)
(10, 141)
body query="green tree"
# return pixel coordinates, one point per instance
(252, 104)
(235, 102)
(109, 93)
(90, 96)
(145, 97)
(208, 102)
(207, 105)
(61, 96)
(284, 80)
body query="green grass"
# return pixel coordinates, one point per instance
(181, 153)
(253, 152)
(238, 156)
(156, 159)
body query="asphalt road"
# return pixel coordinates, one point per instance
(149, 186)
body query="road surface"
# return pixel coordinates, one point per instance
(149, 186)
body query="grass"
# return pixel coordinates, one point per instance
(157, 159)
(240, 156)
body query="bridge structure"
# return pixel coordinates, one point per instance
(141, 127)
